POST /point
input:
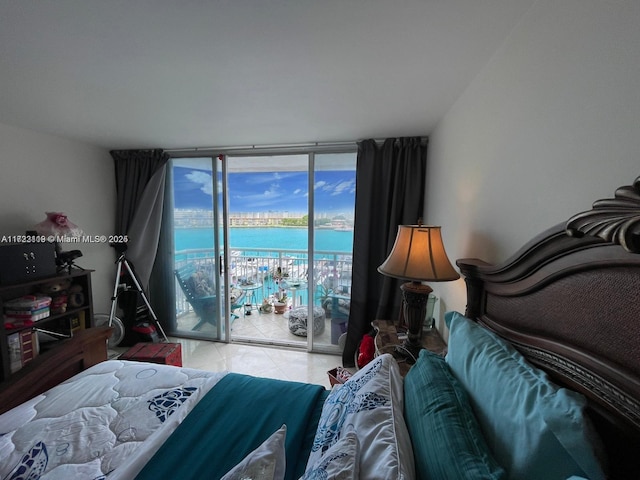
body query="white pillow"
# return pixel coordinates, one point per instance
(371, 404)
(340, 462)
(267, 462)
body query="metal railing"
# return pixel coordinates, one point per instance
(332, 270)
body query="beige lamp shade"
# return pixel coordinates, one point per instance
(418, 254)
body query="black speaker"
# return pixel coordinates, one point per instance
(23, 262)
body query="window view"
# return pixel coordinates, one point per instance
(275, 281)
(198, 287)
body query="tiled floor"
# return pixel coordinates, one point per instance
(271, 362)
(264, 361)
(263, 326)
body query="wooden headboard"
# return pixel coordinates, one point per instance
(569, 300)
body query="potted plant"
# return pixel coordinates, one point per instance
(266, 306)
(324, 289)
(280, 302)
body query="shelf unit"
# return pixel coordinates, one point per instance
(67, 323)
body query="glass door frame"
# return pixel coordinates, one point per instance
(251, 157)
(311, 238)
(164, 286)
(221, 155)
(224, 336)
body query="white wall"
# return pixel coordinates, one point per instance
(46, 173)
(549, 126)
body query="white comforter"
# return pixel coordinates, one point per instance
(106, 421)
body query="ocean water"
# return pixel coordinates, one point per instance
(274, 237)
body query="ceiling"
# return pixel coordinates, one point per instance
(194, 73)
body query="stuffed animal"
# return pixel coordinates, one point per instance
(57, 290)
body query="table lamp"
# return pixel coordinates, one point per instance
(417, 255)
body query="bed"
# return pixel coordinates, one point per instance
(569, 302)
(541, 380)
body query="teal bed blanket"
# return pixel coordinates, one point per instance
(235, 417)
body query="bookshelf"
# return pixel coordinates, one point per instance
(22, 344)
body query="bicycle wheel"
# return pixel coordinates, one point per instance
(102, 320)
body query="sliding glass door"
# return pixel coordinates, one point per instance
(334, 177)
(198, 253)
(268, 240)
(262, 247)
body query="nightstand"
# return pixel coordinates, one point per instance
(387, 338)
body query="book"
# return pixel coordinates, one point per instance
(28, 313)
(22, 349)
(27, 346)
(28, 303)
(15, 356)
(17, 323)
(13, 317)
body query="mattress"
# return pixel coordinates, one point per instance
(107, 420)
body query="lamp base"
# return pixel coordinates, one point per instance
(415, 296)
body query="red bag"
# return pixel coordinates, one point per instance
(366, 351)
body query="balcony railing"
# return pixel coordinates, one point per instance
(332, 270)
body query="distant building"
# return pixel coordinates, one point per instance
(199, 218)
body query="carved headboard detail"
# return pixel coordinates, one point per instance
(615, 220)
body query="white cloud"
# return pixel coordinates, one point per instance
(343, 187)
(260, 178)
(203, 179)
(272, 192)
(267, 198)
(337, 188)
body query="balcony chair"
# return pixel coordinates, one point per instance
(236, 301)
(199, 291)
(338, 303)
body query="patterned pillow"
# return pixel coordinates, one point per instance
(267, 462)
(340, 462)
(370, 404)
(201, 284)
(235, 293)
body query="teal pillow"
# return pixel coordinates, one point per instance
(447, 441)
(534, 428)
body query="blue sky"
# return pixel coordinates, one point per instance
(268, 191)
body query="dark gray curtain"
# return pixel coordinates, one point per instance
(139, 196)
(390, 189)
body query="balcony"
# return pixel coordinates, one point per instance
(273, 271)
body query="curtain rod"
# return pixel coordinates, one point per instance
(264, 149)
